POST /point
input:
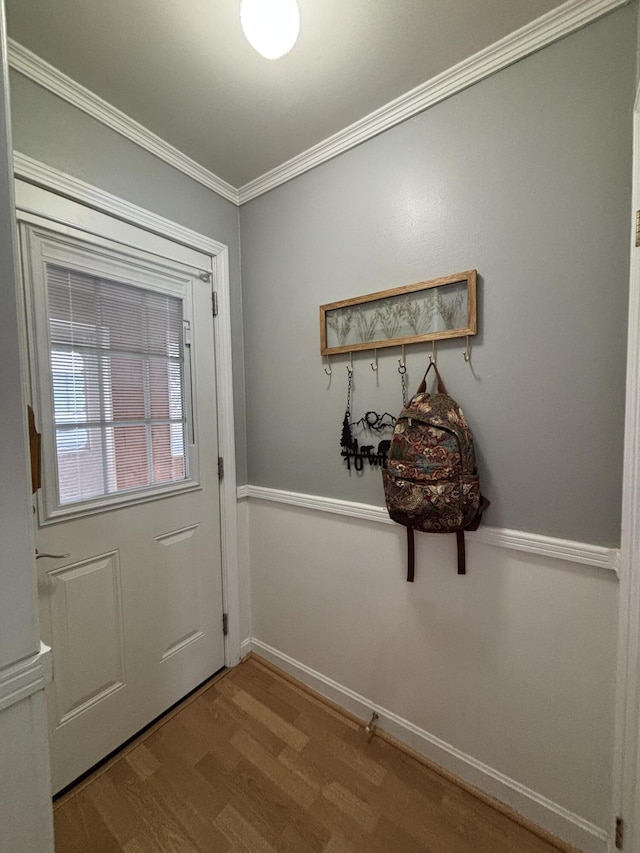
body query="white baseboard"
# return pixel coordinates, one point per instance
(548, 815)
(245, 647)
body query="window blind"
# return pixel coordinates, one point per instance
(117, 374)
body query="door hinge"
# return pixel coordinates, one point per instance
(619, 833)
(214, 303)
(637, 229)
(220, 467)
(225, 624)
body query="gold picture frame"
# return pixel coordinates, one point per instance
(425, 311)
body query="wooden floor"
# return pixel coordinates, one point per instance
(254, 764)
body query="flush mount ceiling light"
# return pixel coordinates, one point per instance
(271, 26)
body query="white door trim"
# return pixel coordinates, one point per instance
(34, 172)
(627, 736)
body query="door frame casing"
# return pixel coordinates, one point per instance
(626, 764)
(66, 187)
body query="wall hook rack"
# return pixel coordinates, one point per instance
(434, 310)
(426, 311)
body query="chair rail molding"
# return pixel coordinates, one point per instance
(532, 543)
(543, 31)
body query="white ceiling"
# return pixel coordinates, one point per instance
(183, 69)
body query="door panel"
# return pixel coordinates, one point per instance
(87, 629)
(179, 589)
(134, 614)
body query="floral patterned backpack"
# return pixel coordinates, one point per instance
(430, 478)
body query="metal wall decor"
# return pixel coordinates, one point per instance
(374, 454)
(424, 311)
(373, 426)
(356, 435)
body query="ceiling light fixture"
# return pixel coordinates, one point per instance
(271, 26)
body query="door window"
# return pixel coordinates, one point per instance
(113, 350)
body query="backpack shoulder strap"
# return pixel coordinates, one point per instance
(411, 555)
(462, 556)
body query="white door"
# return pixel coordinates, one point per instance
(123, 384)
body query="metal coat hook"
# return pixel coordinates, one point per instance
(374, 363)
(327, 369)
(402, 367)
(350, 365)
(433, 355)
(467, 351)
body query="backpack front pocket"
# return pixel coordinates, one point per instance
(424, 452)
(434, 506)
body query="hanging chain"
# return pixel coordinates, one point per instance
(402, 370)
(349, 389)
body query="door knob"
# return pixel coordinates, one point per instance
(53, 556)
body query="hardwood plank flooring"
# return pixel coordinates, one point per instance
(255, 763)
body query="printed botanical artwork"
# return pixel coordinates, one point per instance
(427, 311)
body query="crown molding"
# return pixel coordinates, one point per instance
(50, 78)
(549, 28)
(583, 553)
(546, 30)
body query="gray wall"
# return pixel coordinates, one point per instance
(50, 130)
(526, 177)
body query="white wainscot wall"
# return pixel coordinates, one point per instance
(244, 575)
(505, 677)
(25, 791)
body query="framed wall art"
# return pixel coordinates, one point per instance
(424, 311)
